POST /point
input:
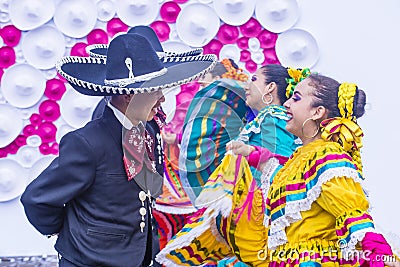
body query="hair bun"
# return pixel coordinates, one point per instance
(359, 103)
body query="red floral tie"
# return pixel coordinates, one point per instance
(138, 149)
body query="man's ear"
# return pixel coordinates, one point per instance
(320, 113)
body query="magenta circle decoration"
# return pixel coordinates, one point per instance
(115, 25)
(55, 89)
(79, 49)
(251, 28)
(161, 29)
(228, 34)
(251, 66)
(245, 55)
(97, 36)
(49, 110)
(169, 11)
(7, 57)
(47, 132)
(11, 35)
(243, 42)
(213, 47)
(267, 39)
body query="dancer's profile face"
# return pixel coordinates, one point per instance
(255, 90)
(300, 108)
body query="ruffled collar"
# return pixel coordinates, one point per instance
(298, 184)
(271, 110)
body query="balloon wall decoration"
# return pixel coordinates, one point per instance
(46, 107)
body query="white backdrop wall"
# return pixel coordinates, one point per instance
(359, 43)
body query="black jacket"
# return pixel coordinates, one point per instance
(85, 196)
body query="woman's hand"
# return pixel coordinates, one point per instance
(169, 138)
(392, 264)
(239, 148)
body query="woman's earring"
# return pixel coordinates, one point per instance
(271, 98)
(302, 128)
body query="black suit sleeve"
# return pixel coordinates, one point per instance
(66, 177)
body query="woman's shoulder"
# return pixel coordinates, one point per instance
(319, 158)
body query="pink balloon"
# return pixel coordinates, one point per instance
(267, 39)
(20, 140)
(54, 148)
(97, 36)
(35, 119)
(11, 35)
(45, 149)
(55, 89)
(180, 1)
(243, 42)
(7, 57)
(245, 55)
(29, 130)
(169, 11)
(162, 30)
(270, 57)
(49, 110)
(47, 132)
(251, 28)
(79, 49)
(1, 74)
(228, 34)
(115, 25)
(213, 47)
(251, 66)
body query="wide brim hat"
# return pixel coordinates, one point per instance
(138, 12)
(235, 12)
(76, 18)
(132, 66)
(23, 85)
(42, 47)
(277, 15)
(197, 24)
(297, 48)
(77, 109)
(100, 50)
(11, 124)
(30, 14)
(13, 179)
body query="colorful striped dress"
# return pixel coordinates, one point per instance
(215, 117)
(316, 208)
(230, 191)
(316, 212)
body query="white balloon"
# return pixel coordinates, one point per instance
(254, 44)
(34, 140)
(258, 57)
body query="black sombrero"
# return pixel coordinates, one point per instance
(131, 66)
(100, 50)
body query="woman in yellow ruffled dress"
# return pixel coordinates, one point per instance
(266, 94)
(316, 211)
